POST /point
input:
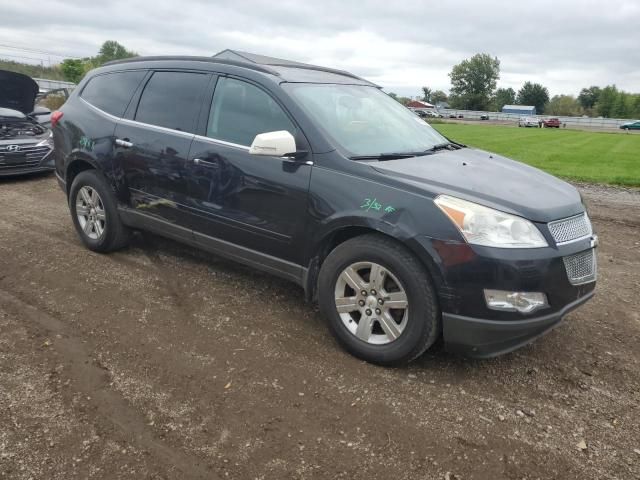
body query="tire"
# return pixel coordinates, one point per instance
(414, 328)
(101, 230)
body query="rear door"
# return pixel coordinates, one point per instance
(153, 141)
(256, 202)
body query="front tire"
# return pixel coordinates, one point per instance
(94, 213)
(379, 300)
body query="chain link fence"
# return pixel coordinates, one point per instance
(568, 122)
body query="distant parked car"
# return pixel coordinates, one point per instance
(550, 123)
(460, 115)
(528, 122)
(453, 115)
(631, 125)
(421, 113)
(433, 113)
(484, 117)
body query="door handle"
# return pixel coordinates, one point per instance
(204, 163)
(123, 143)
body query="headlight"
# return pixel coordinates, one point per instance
(485, 226)
(48, 141)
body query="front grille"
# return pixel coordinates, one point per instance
(28, 155)
(581, 267)
(570, 228)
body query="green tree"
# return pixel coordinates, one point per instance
(589, 97)
(533, 94)
(426, 94)
(566, 105)
(606, 99)
(112, 50)
(72, 69)
(438, 96)
(473, 81)
(502, 97)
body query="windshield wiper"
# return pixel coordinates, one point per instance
(383, 156)
(394, 156)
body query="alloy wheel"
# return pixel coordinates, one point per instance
(90, 212)
(371, 302)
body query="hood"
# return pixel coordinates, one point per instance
(17, 92)
(490, 180)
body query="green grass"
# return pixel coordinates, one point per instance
(594, 157)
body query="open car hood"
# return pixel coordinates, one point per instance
(17, 92)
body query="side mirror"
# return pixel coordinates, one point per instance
(273, 144)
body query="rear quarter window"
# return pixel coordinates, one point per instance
(172, 100)
(112, 92)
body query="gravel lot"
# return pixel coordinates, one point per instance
(163, 362)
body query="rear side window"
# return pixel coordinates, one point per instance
(112, 92)
(172, 100)
(240, 111)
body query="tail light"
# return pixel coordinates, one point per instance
(55, 118)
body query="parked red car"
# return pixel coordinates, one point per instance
(550, 123)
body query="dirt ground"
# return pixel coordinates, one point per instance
(163, 362)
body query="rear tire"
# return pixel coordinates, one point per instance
(368, 326)
(94, 213)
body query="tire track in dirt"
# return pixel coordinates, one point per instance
(92, 381)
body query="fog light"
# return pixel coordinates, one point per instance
(523, 302)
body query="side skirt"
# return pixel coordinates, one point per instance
(260, 261)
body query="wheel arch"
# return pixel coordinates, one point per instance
(342, 232)
(77, 164)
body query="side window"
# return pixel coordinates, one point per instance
(112, 92)
(240, 111)
(172, 100)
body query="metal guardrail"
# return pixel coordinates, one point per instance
(46, 84)
(582, 122)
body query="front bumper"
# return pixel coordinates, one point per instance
(482, 338)
(462, 272)
(36, 159)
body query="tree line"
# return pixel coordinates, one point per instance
(73, 69)
(474, 87)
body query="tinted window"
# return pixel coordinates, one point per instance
(172, 100)
(113, 91)
(240, 111)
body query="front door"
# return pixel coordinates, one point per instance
(257, 202)
(152, 145)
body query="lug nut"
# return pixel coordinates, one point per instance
(378, 311)
(373, 292)
(361, 303)
(380, 301)
(364, 293)
(368, 312)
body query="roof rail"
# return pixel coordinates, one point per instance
(250, 66)
(320, 69)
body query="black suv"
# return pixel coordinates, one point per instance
(317, 176)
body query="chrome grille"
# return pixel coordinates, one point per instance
(27, 155)
(581, 267)
(570, 228)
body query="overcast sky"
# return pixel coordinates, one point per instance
(401, 45)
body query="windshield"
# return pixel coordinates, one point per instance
(364, 120)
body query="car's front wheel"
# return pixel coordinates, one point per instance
(379, 300)
(94, 213)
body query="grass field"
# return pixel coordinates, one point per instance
(595, 157)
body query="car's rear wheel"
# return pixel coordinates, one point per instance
(94, 213)
(379, 300)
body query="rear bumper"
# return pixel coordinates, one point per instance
(482, 338)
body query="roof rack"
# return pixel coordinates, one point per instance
(249, 65)
(264, 60)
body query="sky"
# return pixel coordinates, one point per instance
(403, 45)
